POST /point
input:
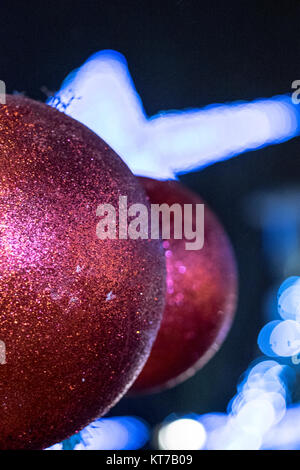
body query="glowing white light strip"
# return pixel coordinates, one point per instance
(101, 95)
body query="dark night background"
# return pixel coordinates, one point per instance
(181, 53)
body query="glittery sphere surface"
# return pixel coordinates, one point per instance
(200, 298)
(78, 315)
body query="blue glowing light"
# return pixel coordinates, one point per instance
(289, 299)
(258, 416)
(101, 95)
(286, 435)
(182, 434)
(117, 433)
(282, 337)
(258, 406)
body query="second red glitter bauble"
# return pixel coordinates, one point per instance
(200, 298)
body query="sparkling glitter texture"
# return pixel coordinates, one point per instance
(78, 315)
(200, 298)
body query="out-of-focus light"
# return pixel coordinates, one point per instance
(213, 424)
(191, 139)
(240, 440)
(257, 407)
(264, 336)
(182, 434)
(56, 447)
(289, 299)
(286, 435)
(257, 416)
(282, 337)
(268, 376)
(258, 413)
(251, 399)
(228, 435)
(260, 402)
(117, 433)
(285, 338)
(101, 95)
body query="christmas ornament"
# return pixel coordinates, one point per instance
(78, 314)
(200, 297)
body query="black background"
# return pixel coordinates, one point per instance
(181, 53)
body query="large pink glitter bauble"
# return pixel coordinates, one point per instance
(78, 315)
(200, 298)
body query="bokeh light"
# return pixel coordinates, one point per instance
(116, 433)
(282, 337)
(182, 434)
